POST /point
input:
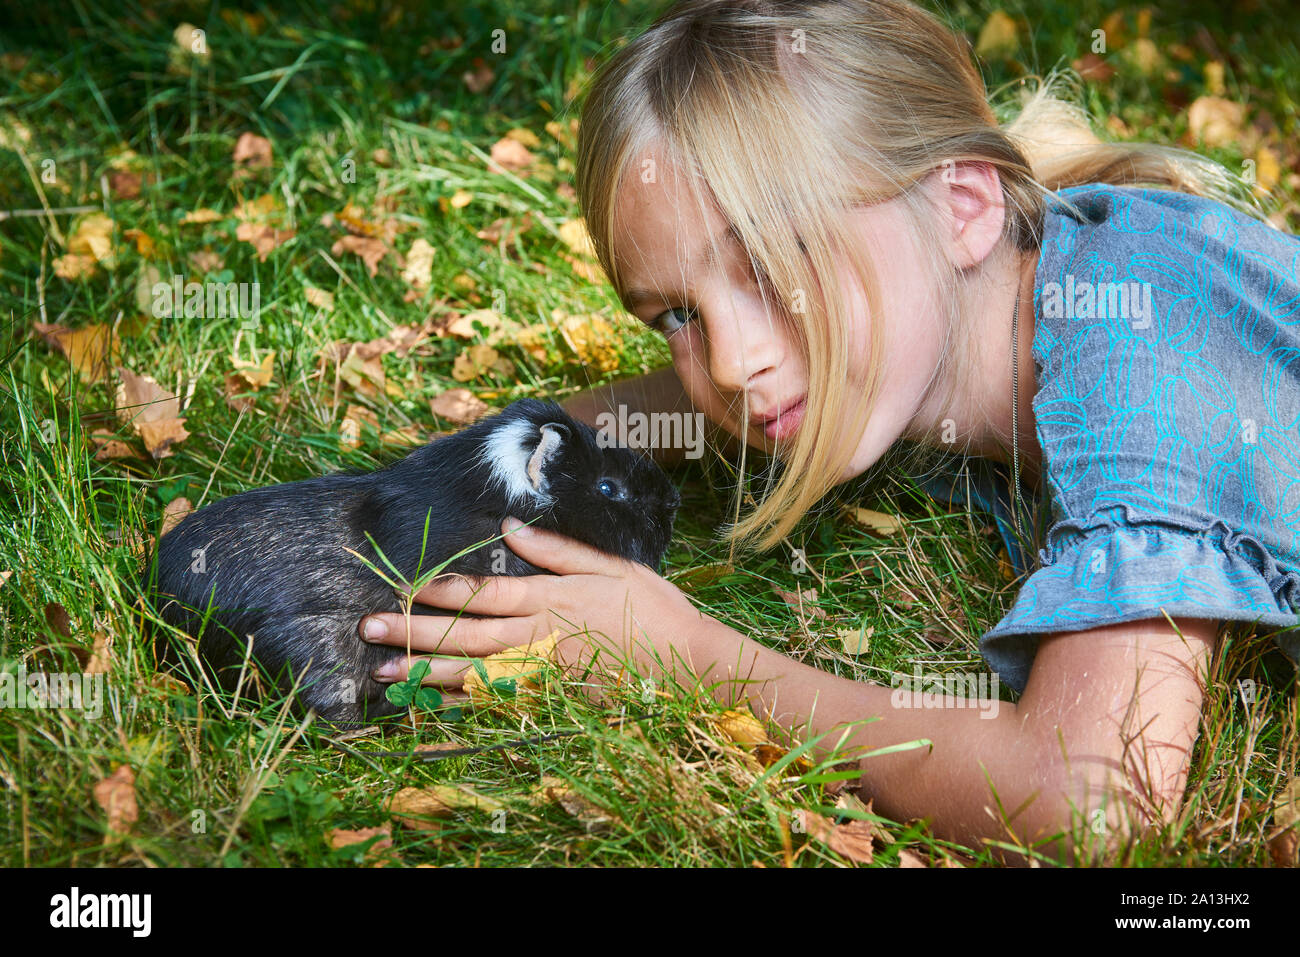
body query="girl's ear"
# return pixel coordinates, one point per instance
(970, 200)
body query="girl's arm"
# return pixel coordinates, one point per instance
(1102, 735)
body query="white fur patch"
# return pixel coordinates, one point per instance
(508, 451)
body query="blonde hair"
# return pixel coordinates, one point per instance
(783, 114)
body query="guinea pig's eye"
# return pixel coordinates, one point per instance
(610, 489)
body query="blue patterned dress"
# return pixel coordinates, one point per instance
(1167, 352)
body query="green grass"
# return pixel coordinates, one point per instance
(244, 788)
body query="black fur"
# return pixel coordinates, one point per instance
(273, 562)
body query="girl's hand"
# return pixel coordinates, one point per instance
(597, 601)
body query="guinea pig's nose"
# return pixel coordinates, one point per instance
(674, 498)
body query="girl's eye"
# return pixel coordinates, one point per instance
(672, 320)
(609, 488)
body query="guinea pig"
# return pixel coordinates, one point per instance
(273, 564)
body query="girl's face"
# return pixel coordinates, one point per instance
(732, 350)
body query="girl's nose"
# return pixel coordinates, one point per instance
(741, 345)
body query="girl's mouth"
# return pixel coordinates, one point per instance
(785, 422)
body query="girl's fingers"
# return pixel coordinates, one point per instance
(499, 595)
(443, 672)
(473, 637)
(556, 553)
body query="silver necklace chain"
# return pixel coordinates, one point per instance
(1015, 416)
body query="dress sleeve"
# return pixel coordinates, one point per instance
(1118, 568)
(1167, 357)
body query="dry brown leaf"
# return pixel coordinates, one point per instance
(200, 216)
(852, 839)
(463, 327)
(1214, 121)
(414, 806)
(1145, 57)
(235, 390)
(109, 446)
(342, 837)
(115, 795)
(525, 136)
(91, 350)
(252, 151)
(474, 362)
(263, 238)
(480, 77)
(1268, 170)
(174, 513)
(144, 244)
(418, 273)
(803, 602)
(458, 406)
(186, 38)
(585, 269)
(406, 436)
(555, 790)
(510, 155)
(693, 579)
(505, 231)
(124, 184)
(1286, 806)
(1092, 67)
(319, 298)
(258, 210)
(101, 654)
(377, 224)
(364, 375)
(355, 419)
(378, 854)
(1284, 848)
(575, 236)
(908, 858)
(856, 641)
(460, 199)
(370, 250)
(152, 412)
(206, 260)
(878, 522)
(75, 266)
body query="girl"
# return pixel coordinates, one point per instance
(814, 203)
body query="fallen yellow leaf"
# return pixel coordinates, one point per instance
(115, 795)
(92, 235)
(522, 664)
(91, 350)
(1214, 121)
(998, 37)
(414, 806)
(878, 522)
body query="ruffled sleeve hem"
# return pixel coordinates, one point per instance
(1121, 568)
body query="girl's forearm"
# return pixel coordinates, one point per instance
(973, 750)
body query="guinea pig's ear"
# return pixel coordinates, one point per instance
(552, 438)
